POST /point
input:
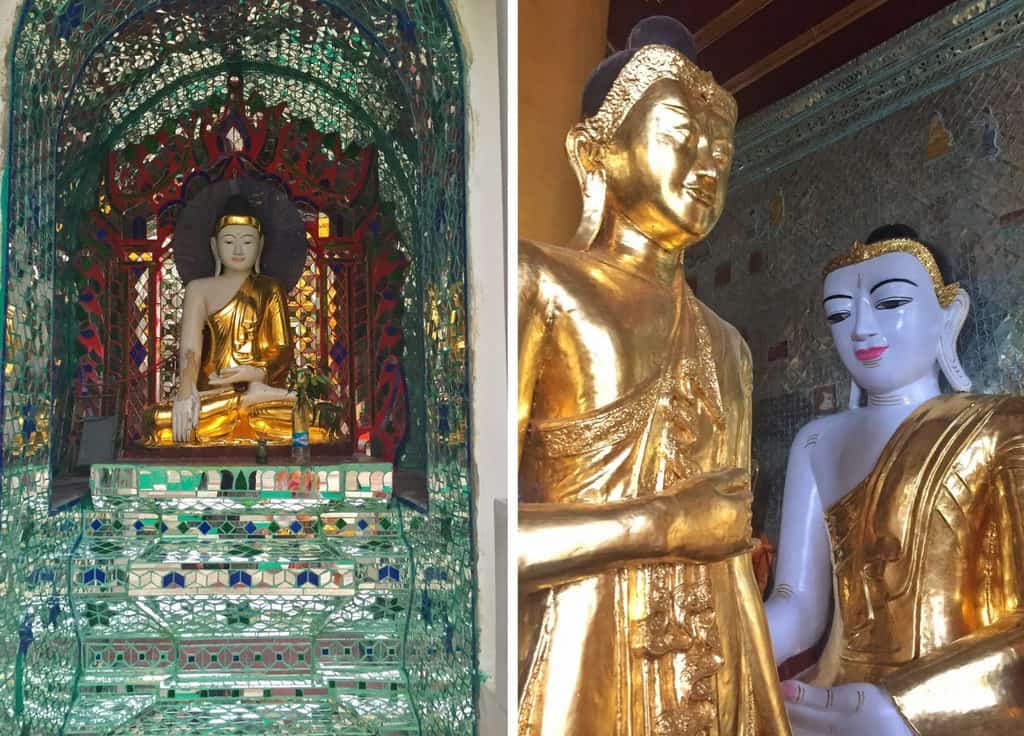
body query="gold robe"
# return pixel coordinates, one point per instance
(251, 329)
(662, 649)
(929, 567)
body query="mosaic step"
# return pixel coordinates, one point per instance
(133, 484)
(251, 615)
(318, 715)
(240, 683)
(206, 593)
(258, 567)
(277, 520)
(150, 662)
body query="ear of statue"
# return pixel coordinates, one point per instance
(583, 155)
(259, 255)
(217, 266)
(949, 360)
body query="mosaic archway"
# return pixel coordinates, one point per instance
(92, 79)
(345, 309)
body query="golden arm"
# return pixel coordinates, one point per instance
(562, 542)
(558, 542)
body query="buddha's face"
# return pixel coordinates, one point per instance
(668, 165)
(238, 247)
(886, 321)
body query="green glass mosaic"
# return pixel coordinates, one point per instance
(90, 637)
(211, 590)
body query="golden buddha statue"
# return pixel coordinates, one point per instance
(906, 511)
(235, 349)
(639, 610)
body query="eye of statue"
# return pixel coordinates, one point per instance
(894, 302)
(838, 315)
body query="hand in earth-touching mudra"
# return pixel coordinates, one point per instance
(854, 709)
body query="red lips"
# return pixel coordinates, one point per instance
(866, 354)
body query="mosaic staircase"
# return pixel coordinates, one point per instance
(241, 600)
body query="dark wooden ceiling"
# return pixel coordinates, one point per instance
(764, 50)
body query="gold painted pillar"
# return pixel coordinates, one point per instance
(559, 44)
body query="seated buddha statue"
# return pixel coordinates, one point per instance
(235, 349)
(639, 611)
(903, 515)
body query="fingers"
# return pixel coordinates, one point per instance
(731, 481)
(807, 721)
(847, 699)
(735, 482)
(732, 477)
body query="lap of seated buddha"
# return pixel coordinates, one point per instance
(231, 417)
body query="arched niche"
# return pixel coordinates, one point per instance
(89, 77)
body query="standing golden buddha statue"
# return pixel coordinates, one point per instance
(639, 611)
(236, 344)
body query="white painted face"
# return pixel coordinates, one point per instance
(238, 247)
(886, 321)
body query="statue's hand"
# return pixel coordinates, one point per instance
(707, 518)
(854, 709)
(241, 374)
(184, 416)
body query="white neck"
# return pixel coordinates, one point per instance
(232, 274)
(911, 395)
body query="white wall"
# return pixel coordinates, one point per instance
(480, 23)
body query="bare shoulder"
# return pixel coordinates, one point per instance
(546, 272)
(197, 289)
(546, 259)
(200, 284)
(821, 437)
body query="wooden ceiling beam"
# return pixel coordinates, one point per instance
(727, 21)
(806, 40)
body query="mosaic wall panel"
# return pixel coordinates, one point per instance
(201, 585)
(89, 75)
(952, 167)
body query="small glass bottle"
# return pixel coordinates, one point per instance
(302, 414)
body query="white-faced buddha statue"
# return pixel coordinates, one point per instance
(903, 514)
(236, 348)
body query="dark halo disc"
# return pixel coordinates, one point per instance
(284, 233)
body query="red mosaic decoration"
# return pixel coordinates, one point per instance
(346, 309)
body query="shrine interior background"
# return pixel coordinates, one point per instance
(852, 115)
(382, 122)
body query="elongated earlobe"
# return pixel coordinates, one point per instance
(593, 186)
(259, 257)
(949, 358)
(217, 265)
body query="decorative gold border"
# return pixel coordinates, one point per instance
(226, 220)
(647, 66)
(860, 252)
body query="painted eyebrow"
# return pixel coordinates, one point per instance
(837, 296)
(890, 281)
